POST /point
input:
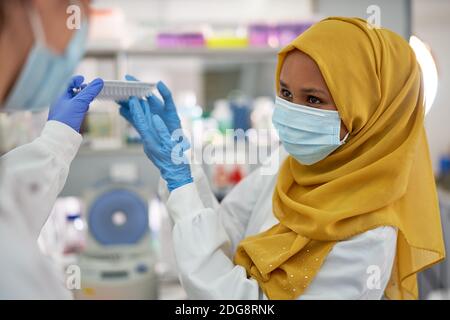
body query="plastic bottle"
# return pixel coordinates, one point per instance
(74, 234)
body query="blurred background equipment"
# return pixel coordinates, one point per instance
(117, 253)
(119, 260)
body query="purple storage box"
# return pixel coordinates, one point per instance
(177, 40)
(259, 34)
(289, 31)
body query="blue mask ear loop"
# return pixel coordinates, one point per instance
(343, 141)
(36, 26)
(75, 91)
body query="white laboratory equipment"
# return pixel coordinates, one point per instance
(74, 234)
(119, 260)
(117, 90)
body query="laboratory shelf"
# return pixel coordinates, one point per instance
(220, 56)
(248, 52)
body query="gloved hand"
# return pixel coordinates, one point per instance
(165, 153)
(71, 107)
(166, 110)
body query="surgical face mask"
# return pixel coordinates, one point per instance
(308, 134)
(45, 74)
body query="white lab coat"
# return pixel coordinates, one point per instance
(206, 235)
(31, 178)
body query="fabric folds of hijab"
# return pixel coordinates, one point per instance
(382, 176)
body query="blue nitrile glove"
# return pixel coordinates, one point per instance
(166, 110)
(71, 107)
(165, 153)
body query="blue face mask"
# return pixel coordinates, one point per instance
(308, 134)
(45, 74)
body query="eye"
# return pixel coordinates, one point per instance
(313, 100)
(286, 94)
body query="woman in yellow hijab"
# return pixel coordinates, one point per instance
(353, 211)
(381, 176)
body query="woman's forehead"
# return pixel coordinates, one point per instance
(299, 69)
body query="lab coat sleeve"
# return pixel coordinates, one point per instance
(35, 173)
(204, 258)
(235, 209)
(201, 181)
(203, 250)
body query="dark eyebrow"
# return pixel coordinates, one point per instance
(283, 84)
(305, 90)
(313, 90)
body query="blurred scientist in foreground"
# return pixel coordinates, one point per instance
(38, 55)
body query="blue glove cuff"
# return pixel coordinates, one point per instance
(176, 184)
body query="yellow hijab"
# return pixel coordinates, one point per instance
(381, 176)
